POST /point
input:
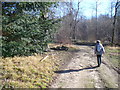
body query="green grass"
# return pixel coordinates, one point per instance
(113, 54)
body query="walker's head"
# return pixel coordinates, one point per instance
(98, 41)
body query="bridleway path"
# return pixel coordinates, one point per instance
(82, 72)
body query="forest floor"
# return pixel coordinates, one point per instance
(81, 71)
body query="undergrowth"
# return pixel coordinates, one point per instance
(113, 54)
(27, 72)
(31, 71)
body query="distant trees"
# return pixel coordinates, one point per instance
(87, 28)
(68, 30)
(75, 26)
(25, 27)
(79, 28)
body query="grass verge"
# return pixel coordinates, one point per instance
(33, 71)
(27, 72)
(113, 55)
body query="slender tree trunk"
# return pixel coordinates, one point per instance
(75, 23)
(114, 23)
(96, 20)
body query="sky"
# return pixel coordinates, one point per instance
(88, 7)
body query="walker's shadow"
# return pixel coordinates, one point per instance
(72, 70)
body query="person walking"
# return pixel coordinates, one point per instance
(99, 50)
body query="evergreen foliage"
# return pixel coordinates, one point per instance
(25, 33)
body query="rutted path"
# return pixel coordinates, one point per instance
(83, 73)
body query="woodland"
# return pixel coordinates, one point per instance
(28, 27)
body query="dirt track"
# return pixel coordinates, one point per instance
(83, 73)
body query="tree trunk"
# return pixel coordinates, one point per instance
(96, 8)
(114, 23)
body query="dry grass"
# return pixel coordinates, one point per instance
(113, 47)
(27, 72)
(70, 46)
(32, 71)
(113, 54)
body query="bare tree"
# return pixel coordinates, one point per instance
(117, 5)
(97, 3)
(76, 21)
(74, 13)
(76, 27)
(68, 28)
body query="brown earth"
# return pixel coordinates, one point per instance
(81, 72)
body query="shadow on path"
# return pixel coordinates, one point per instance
(72, 70)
